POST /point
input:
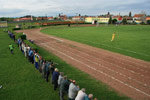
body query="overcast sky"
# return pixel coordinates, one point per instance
(17, 8)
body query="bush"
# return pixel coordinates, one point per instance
(18, 35)
(148, 22)
(31, 27)
(114, 21)
(143, 23)
(16, 29)
(23, 37)
(33, 46)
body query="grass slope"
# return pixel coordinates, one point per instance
(19, 78)
(130, 40)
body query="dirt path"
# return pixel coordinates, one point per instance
(127, 75)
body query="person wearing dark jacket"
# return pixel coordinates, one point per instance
(48, 63)
(55, 78)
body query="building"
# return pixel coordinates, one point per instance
(147, 18)
(50, 18)
(118, 18)
(3, 24)
(41, 18)
(62, 17)
(98, 19)
(23, 19)
(129, 19)
(78, 18)
(139, 18)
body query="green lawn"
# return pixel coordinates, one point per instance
(21, 81)
(130, 40)
(19, 78)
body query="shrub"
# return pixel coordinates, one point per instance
(148, 22)
(18, 35)
(33, 46)
(16, 29)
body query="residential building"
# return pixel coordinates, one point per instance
(118, 18)
(78, 18)
(3, 24)
(139, 18)
(24, 19)
(63, 17)
(94, 19)
(41, 18)
(129, 19)
(147, 18)
(50, 18)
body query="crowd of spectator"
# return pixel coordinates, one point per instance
(47, 68)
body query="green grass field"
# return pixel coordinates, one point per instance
(19, 78)
(130, 40)
(21, 81)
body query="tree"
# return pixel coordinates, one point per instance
(110, 20)
(124, 21)
(79, 14)
(59, 15)
(108, 13)
(114, 21)
(130, 14)
(148, 22)
(3, 19)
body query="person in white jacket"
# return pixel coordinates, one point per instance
(73, 90)
(81, 94)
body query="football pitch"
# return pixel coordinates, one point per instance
(130, 40)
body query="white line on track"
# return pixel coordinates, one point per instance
(109, 69)
(98, 71)
(56, 38)
(113, 64)
(119, 66)
(122, 58)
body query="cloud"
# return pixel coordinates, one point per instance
(71, 7)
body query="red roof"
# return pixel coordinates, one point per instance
(147, 18)
(139, 15)
(117, 17)
(128, 18)
(22, 19)
(41, 18)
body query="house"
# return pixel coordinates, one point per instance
(41, 18)
(23, 19)
(3, 24)
(50, 18)
(147, 18)
(139, 18)
(95, 19)
(129, 19)
(78, 18)
(63, 17)
(118, 18)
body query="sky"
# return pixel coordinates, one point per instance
(18, 8)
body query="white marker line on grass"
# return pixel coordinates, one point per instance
(117, 48)
(99, 71)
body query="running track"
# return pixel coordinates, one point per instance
(127, 75)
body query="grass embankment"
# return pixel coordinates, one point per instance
(130, 40)
(19, 78)
(21, 81)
